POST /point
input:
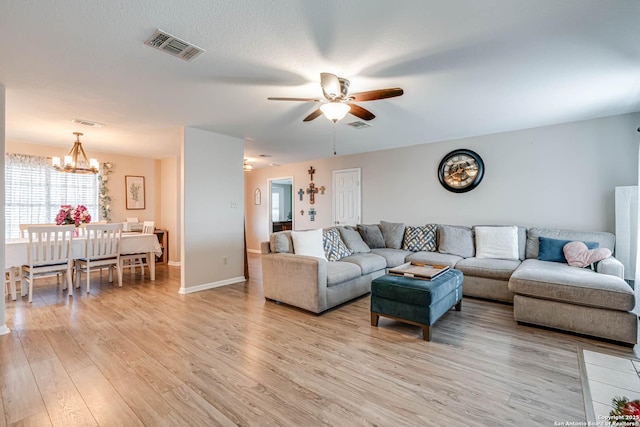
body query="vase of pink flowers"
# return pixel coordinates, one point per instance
(70, 215)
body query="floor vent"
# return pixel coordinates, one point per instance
(359, 125)
(87, 123)
(173, 45)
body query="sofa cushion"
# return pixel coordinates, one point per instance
(605, 240)
(394, 257)
(371, 235)
(581, 286)
(392, 232)
(578, 255)
(339, 272)
(553, 249)
(334, 247)
(422, 238)
(522, 238)
(308, 243)
(499, 269)
(368, 263)
(496, 242)
(352, 238)
(281, 242)
(455, 240)
(433, 258)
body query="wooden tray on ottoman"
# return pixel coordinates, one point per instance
(419, 270)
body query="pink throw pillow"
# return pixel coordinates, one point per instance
(578, 255)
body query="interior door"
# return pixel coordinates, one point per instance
(346, 196)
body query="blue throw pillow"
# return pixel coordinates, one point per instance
(551, 249)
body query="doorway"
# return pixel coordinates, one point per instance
(280, 204)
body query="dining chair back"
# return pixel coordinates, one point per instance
(24, 227)
(102, 250)
(48, 251)
(148, 227)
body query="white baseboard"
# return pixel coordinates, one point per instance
(173, 264)
(254, 251)
(212, 285)
(4, 330)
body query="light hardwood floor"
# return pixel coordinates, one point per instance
(145, 355)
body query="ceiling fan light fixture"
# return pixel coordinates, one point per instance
(335, 111)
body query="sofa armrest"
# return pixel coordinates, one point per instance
(611, 266)
(265, 248)
(297, 280)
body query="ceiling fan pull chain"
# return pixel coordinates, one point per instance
(334, 139)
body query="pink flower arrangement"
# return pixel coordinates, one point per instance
(69, 215)
(625, 412)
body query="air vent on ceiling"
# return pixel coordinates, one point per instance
(359, 124)
(173, 45)
(87, 123)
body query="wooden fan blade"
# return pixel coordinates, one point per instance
(295, 99)
(317, 113)
(363, 113)
(372, 95)
(330, 85)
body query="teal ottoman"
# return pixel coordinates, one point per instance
(415, 301)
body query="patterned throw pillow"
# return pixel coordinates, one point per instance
(334, 247)
(420, 238)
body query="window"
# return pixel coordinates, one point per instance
(34, 192)
(275, 206)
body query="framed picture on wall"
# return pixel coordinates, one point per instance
(134, 189)
(257, 197)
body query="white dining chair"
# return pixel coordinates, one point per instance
(23, 234)
(48, 252)
(24, 228)
(102, 250)
(132, 261)
(10, 282)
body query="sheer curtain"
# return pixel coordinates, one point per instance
(34, 192)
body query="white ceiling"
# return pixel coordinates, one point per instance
(468, 67)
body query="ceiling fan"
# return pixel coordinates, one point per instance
(338, 102)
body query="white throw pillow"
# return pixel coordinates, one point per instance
(308, 243)
(497, 242)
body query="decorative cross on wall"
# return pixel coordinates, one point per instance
(312, 191)
(311, 171)
(312, 214)
(322, 190)
(301, 193)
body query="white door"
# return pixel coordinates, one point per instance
(346, 196)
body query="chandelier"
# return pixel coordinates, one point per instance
(76, 161)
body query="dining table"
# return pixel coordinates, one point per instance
(15, 254)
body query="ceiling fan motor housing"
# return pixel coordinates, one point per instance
(344, 86)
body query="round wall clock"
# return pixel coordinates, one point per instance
(461, 171)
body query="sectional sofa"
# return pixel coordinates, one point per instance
(512, 264)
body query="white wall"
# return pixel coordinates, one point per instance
(212, 230)
(3, 326)
(556, 176)
(169, 189)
